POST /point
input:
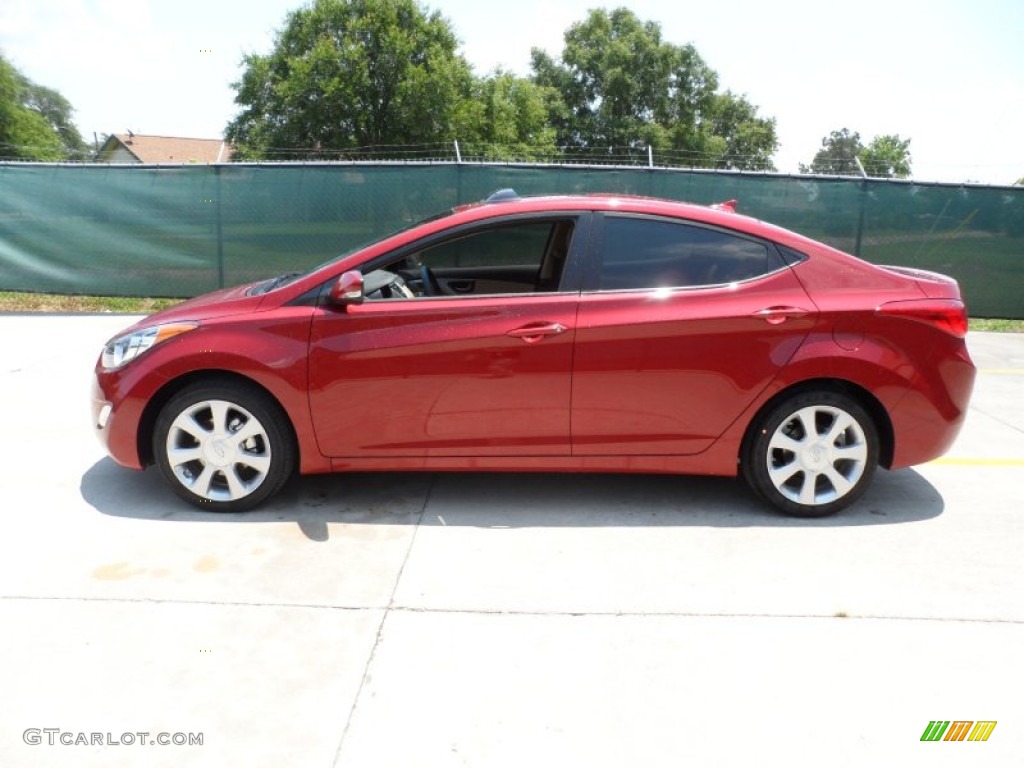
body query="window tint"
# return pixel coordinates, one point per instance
(791, 255)
(520, 244)
(646, 253)
(525, 256)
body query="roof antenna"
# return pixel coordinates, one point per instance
(501, 195)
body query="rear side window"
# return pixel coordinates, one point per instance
(653, 253)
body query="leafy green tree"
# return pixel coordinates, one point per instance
(838, 154)
(35, 122)
(745, 141)
(57, 111)
(506, 118)
(622, 85)
(887, 157)
(351, 73)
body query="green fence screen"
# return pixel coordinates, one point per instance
(185, 230)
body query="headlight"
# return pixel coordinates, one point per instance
(124, 348)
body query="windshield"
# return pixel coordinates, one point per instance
(290, 277)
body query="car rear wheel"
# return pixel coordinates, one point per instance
(223, 446)
(813, 454)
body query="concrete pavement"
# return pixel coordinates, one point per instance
(499, 620)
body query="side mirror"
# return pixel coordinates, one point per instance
(347, 289)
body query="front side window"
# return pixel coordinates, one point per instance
(517, 257)
(510, 245)
(652, 253)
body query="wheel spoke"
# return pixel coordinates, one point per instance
(781, 475)
(807, 490)
(840, 424)
(219, 414)
(187, 423)
(236, 488)
(785, 443)
(807, 418)
(258, 462)
(840, 483)
(201, 485)
(857, 452)
(251, 428)
(179, 456)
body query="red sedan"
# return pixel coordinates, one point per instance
(553, 334)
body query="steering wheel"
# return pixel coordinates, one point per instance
(381, 284)
(431, 286)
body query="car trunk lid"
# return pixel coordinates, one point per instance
(932, 284)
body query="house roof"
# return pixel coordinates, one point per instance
(169, 149)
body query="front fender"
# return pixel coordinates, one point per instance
(270, 351)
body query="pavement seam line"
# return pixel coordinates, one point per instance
(173, 601)
(517, 612)
(698, 615)
(384, 616)
(996, 418)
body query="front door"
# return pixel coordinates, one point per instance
(445, 367)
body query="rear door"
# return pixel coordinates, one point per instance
(680, 327)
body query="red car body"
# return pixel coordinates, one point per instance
(584, 377)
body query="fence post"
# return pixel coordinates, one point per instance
(863, 202)
(220, 229)
(863, 184)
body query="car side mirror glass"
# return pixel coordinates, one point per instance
(347, 289)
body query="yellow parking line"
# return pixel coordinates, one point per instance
(1003, 371)
(970, 462)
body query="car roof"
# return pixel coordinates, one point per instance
(720, 215)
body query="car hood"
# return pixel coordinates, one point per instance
(227, 301)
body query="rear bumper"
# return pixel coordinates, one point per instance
(931, 415)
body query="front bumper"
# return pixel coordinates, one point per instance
(115, 419)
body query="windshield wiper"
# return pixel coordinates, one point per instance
(275, 282)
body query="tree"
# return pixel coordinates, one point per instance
(623, 86)
(887, 157)
(747, 141)
(507, 116)
(35, 122)
(57, 111)
(838, 154)
(351, 73)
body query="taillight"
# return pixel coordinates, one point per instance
(949, 315)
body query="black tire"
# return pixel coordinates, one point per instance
(211, 467)
(811, 455)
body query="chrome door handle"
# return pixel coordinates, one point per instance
(778, 315)
(534, 333)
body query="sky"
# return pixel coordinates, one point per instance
(948, 74)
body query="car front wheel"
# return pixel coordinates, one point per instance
(813, 454)
(223, 446)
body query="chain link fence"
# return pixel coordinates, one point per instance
(179, 231)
